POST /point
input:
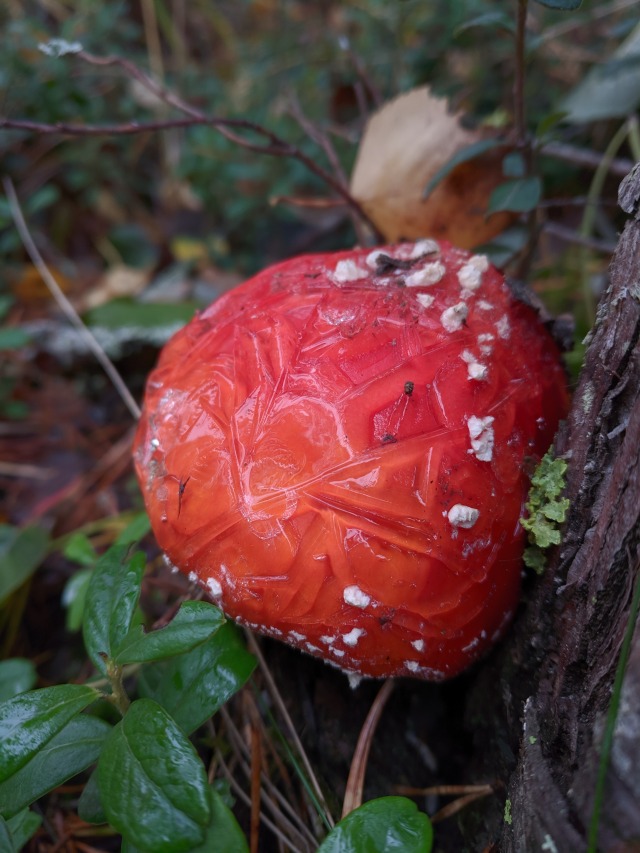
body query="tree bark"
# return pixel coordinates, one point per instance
(542, 732)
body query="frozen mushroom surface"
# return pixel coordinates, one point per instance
(335, 450)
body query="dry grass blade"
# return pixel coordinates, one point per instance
(291, 730)
(283, 813)
(65, 306)
(465, 794)
(355, 782)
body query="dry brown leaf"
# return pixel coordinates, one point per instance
(116, 282)
(405, 143)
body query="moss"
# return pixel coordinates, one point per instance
(546, 510)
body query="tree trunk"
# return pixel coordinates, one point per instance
(543, 731)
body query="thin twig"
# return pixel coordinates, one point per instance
(273, 145)
(355, 782)
(64, 304)
(619, 166)
(568, 235)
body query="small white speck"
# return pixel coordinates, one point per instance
(485, 343)
(453, 318)
(354, 679)
(429, 274)
(348, 270)
(482, 437)
(372, 258)
(412, 665)
(356, 597)
(339, 653)
(155, 442)
(470, 275)
(463, 516)
(424, 247)
(426, 300)
(325, 638)
(418, 645)
(313, 648)
(483, 305)
(214, 587)
(193, 577)
(503, 327)
(276, 632)
(351, 639)
(472, 645)
(483, 634)
(296, 636)
(477, 370)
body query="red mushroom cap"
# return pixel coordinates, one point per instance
(335, 450)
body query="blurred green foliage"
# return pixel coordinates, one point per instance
(244, 60)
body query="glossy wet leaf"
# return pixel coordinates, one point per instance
(153, 786)
(389, 823)
(90, 805)
(195, 685)
(194, 622)
(29, 721)
(519, 196)
(111, 602)
(223, 833)
(74, 597)
(15, 833)
(21, 552)
(69, 752)
(17, 675)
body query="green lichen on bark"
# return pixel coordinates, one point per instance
(546, 510)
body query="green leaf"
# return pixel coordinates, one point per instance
(111, 602)
(7, 844)
(389, 823)
(610, 90)
(13, 337)
(494, 20)
(20, 829)
(520, 196)
(17, 675)
(79, 549)
(29, 721)
(513, 165)
(69, 752)
(194, 622)
(153, 786)
(21, 552)
(195, 685)
(74, 597)
(90, 805)
(42, 199)
(223, 833)
(470, 152)
(127, 313)
(562, 5)
(137, 529)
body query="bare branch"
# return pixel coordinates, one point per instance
(273, 144)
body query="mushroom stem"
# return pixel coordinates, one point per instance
(355, 782)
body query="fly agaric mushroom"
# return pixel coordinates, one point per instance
(336, 451)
